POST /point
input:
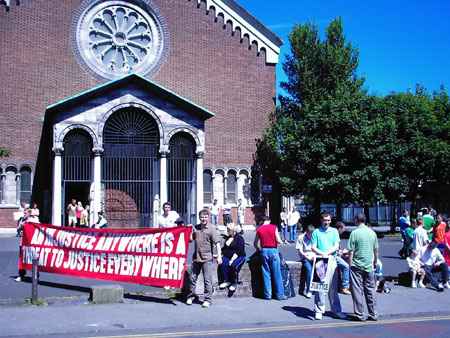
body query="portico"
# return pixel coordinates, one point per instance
(118, 146)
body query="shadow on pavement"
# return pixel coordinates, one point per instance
(59, 285)
(144, 298)
(300, 311)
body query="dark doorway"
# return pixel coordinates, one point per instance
(130, 168)
(77, 168)
(181, 176)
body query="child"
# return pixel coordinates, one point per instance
(415, 266)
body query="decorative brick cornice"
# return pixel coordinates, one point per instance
(246, 28)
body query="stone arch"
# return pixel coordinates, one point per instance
(199, 146)
(148, 109)
(60, 139)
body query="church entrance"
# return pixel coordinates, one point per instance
(181, 176)
(77, 169)
(130, 168)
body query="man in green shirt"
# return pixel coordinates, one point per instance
(428, 222)
(363, 248)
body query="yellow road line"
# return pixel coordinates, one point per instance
(271, 329)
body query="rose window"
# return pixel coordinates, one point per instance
(116, 38)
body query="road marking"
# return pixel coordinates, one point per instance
(271, 329)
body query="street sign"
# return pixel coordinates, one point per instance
(267, 188)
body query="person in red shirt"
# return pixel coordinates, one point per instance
(266, 242)
(447, 244)
(439, 232)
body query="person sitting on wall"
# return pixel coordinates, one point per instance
(433, 262)
(306, 255)
(342, 262)
(233, 257)
(168, 217)
(101, 222)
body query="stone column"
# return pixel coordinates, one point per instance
(199, 181)
(96, 203)
(18, 176)
(57, 184)
(163, 176)
(3, 184)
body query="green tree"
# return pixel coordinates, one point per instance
(318, 134)
(3, 152)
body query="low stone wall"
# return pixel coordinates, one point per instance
(248, 281)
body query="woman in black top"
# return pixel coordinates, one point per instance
(233, 257)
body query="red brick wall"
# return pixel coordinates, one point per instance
(205, 63)
(7, 218)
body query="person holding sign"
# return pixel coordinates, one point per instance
(206, 241)
(363, 248)
(325, 242)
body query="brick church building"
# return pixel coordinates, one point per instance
(121, 104)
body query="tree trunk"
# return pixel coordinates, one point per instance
(338, 211)
(367, 212)
(316, 210)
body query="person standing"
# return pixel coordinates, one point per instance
(206, 247)
(215, 212)
(439, 232)
(227, 213)
(293, 219)
(266, 242)
(283, 224)
(34, 214)
(78, 211)
(363, 249)
(428, 222)
(168, 218)
(325, 242)
(420, 239)
(240, 213)
(71, 213)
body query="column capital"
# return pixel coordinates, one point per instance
(199, 154)
(98, 151)
(164, 153)
(58, 151)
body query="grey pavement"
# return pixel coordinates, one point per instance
(162, 315)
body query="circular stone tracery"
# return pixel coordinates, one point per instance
(117, 37)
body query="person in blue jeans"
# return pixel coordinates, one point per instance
(233, 257)
(342, 262)
(293, 219)
(266, 242)
(303, 247)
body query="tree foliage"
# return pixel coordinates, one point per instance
(332, 142)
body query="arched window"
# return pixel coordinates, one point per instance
(10, 190)
(207, 187)
(25, 185)
(231, 187)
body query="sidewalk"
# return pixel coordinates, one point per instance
(158, 315)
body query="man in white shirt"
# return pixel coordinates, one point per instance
(168, 217)
(434, 262)
(214, 212)
(420, 238)
(293, 218)
(240, 212)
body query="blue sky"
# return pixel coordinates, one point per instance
(400, 42)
